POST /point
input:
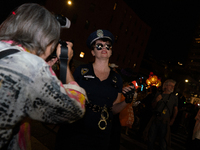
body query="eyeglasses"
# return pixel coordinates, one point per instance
(100, 46)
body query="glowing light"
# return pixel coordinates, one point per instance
(135, 84)
(142, 87)
(158, 83)
(153, 80)
(69, 2)
(148, 82)
(82, 54)
(180, 63)
(186, 80)
(197, 39)
(115, 6)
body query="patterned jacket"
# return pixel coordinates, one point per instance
(29, 88)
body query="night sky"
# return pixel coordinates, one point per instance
(6, 6)
(173, 24)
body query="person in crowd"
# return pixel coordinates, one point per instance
(28, 85)
(124, 118)
(104, 88)
(147, 110)
(190, 118)
(165, 111)
(116, 127)
(127, 114)
(181, 111)
(196, 133)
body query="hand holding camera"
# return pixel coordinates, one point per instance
(70, 51)
(62, 48)
(64, 52)
(69, 46)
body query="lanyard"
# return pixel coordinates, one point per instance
(8, 52)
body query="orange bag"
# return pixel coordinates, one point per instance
(126, 116)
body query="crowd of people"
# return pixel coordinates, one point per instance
(90, 105)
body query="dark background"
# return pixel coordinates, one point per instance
(173, 24)
(6, 6)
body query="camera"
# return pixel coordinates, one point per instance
(63, 48)
(130, 94)
(65, 23)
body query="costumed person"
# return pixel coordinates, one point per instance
(196, 133)
(28, 85)
(165, 111)
(116, 126)
(123, 118)
(126, 116)
(104, 89)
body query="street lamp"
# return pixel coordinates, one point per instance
(177, 86)
(186, 81)
(69, 2)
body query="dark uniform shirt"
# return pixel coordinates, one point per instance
(85, 133)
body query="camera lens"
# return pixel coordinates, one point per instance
(64, 22)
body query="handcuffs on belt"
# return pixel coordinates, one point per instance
(103, 118)
(104, 114)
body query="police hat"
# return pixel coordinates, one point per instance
(99, 34)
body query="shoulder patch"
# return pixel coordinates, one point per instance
(84, 71)
(114, 79)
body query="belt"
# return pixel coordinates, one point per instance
(97, 108)
(102, 124)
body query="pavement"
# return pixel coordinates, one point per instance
(43, 137)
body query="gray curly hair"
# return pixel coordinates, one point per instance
(167, 82)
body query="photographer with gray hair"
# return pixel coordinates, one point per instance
(28, 85)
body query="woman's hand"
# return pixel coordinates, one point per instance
(128, 93)
(70, 51)
(52, 61)
(127, 89)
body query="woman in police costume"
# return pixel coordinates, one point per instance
(104, 89)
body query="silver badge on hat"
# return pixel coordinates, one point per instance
(100, 33)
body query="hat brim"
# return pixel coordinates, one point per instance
(106, 37)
